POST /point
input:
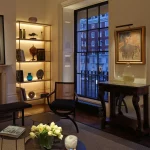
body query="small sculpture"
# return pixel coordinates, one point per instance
(71, 142)
(33, 52)
(33, 19)
(33, 34)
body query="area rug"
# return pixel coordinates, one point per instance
(93, 139)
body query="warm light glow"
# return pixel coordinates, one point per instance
(29, 26)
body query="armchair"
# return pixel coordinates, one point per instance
(65, 100)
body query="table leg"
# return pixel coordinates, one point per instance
(121, 97)
(22, 117)
(112, 105)
(135, 101)
(2, 144)
(14, 118)
(16, 144)
(101, 98)
(145, 111)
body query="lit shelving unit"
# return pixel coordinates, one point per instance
(41, 41)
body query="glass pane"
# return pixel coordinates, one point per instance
(103, 42)
(81, 20)
(93, 18)
(92, 62)
(81, 42)
(81, 61)
(103, 66)
(104, 16)
(93, 40)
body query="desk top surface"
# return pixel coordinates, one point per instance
(120, 83)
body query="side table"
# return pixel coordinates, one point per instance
(22, 136)
(45, 118)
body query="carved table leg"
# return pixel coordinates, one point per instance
(103, 111)
(120, 102)
(135, 101)
(146, 114)
(112, 104)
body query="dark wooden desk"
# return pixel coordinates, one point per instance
(126, 89)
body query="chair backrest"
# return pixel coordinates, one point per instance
(64, 90)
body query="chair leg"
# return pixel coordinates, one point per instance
(73, 123)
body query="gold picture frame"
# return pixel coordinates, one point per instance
(130, 45)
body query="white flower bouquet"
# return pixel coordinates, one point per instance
(46, 133)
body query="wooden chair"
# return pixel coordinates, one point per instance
(65, 100)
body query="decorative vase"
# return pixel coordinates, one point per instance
(46, 141)
(29, 77)
(128, 76)
(33, 52)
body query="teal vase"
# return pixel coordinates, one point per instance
(29, 77)
(45, 141)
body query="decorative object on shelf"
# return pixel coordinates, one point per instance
(20, 33)
(24, 34)
(33, 19)
(130, 45)
(33, 34)
(71, 142)
(33, 52)
(40, 54)
(128, 76)
(2, 43)
(19, 76)
(20, 55)
(46, 134)
(31, 94)
(40, 74)
(41, 35)
(43, 95)
(29, 77)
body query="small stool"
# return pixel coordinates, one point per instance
(22, 136)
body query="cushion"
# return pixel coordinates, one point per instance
(10, 107)
(63, 104)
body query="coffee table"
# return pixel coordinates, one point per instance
(22, 136)
(33, 145)
(45, 118)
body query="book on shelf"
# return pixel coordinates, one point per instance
(20, 55)
(12, 131)
(21, 93)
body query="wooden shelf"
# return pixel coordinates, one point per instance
(33, 40)
(32, 23)
(32, 61)
(34, 81)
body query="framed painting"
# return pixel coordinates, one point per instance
(2, 43)
(130, 45)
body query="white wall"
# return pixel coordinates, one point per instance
(128, 12)
(68, 45)
(134, 12)
(8, 9)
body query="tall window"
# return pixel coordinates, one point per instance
(91, 61)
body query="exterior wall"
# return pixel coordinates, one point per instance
(10, 48)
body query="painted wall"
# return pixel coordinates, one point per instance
(10, 47)
(134, 12)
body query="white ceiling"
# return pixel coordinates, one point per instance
(84, 3)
